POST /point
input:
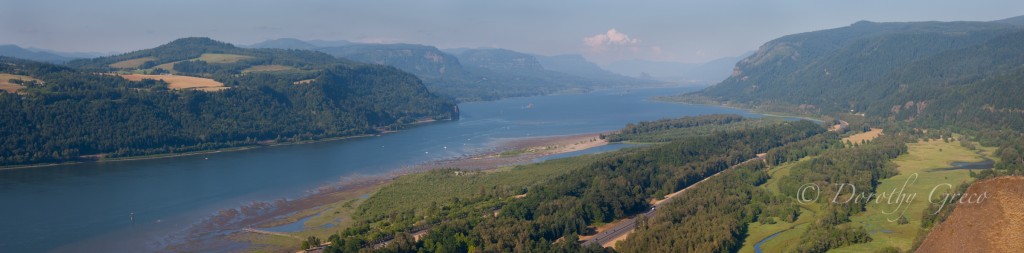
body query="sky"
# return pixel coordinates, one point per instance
(602, 31)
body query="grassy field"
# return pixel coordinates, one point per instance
(869, 135)
(267, 68)
(222, 58)
(790, 232)
(418, 191)
(780, 171)
(7, 86)
(921, 160)
(414, 191)
(131, 64)
(208, 58)
(181, 82)
(757, 231)
(167, 66)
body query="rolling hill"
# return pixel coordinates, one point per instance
(127, 105)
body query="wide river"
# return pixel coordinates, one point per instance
(89, 207)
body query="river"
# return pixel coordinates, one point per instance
(132, 206)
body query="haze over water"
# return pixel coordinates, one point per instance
(87, 207)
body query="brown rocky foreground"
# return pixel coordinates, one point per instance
(993, 225)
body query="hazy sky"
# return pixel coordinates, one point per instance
(686, 31)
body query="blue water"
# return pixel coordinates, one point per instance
(86, 207)
(986, 164)
(290, 227)
(757, 247)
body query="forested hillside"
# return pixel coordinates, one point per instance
(264, 96)
(932, 73)
(480, 74)
(475, 74)
(575, 64)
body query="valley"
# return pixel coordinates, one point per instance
(569, 126)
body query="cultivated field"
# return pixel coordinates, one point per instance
(993, 225)
(267, 68)
(131, 64)
(181, 82)
(7, 86)
(167, 66)
(869, 135)
(208, 58)
(222, 58)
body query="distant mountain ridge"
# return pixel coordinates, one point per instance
(473, 74)
(45, 55)
(710, 72)
(575, 64)
(1018, 20)
(19, 52)
(283, 43)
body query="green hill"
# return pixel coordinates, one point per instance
(933, 73)
(88, 112)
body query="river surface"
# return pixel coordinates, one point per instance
(132, 206)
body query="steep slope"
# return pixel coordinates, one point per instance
(91, 112)
(424, 61)
(500, 60)
(474, 74)
(710, 72)
(879, 69)
(576, 65)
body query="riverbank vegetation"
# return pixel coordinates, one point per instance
(545, 207)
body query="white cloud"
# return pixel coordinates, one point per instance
(611, 38)
(615, 45)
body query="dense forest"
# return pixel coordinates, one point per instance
(927, 79)
(918, 81)
(932, 74)
(86, 113)
(550, 216)
(713, 217)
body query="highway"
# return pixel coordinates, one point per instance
(625, 227)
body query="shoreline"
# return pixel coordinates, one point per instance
(212, 151)
(226, 226)
(750, 110)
